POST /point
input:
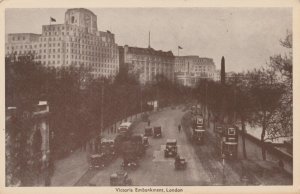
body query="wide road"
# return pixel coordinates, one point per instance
(205, 166)
(155, 169)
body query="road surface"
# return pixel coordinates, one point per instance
(205, 167)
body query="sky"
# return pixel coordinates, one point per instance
(246, 37)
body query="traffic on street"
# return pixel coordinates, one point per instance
(174, 147)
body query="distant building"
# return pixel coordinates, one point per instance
(190, 69)
(217, 76)
(229, 75)
(147, 63)
(76, 42)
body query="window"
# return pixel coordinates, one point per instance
(231, 131)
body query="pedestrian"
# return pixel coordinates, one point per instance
(179, 128)
(149, 122)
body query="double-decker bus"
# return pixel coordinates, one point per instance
(228, 141)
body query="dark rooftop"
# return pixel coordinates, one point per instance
(149, 51)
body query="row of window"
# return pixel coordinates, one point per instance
(79, 33)
(144, 59)
(92, 66)
(78, 40)
(74, 46)
(165, 63)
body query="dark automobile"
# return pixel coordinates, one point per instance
(108, 147)
(180, 163)
(130, 154)
(97, 161)
(120, 178)
(146, 142)
(148, 131)
(157, 131)
(137, 141)
(119, 140)
(171, 148)
(130, 161)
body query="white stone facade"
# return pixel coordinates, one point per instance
(190, 69)
(76, 42)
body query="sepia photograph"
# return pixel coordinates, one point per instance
(148, 99)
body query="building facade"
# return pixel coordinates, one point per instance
(147, 63)
(217, 76)
(190, 69)
(77, 42)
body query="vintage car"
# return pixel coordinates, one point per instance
(97, 161)
(171, 148)
(180, 163)
(130, 161)
(120, 178)
(138, 147)
(119, 140)
(125, 128)
(157, 131)
(146, 142)
(148, 131)
(130, 154)
(108, 147)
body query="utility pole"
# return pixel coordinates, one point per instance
(206, 110)
(234, 98)
(149, 45)
(223, 171)
(141, 99)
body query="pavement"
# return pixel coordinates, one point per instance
(204, 164)
(68, 171)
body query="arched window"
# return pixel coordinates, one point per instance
(72, 19)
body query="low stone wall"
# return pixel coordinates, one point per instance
(253, 150)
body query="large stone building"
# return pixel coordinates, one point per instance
(217, 76)
(190, 69)
(75, 42)
(147, 63)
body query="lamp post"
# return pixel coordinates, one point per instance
(234, 100)
(206, 110)
(223, 171)
(141, 99)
